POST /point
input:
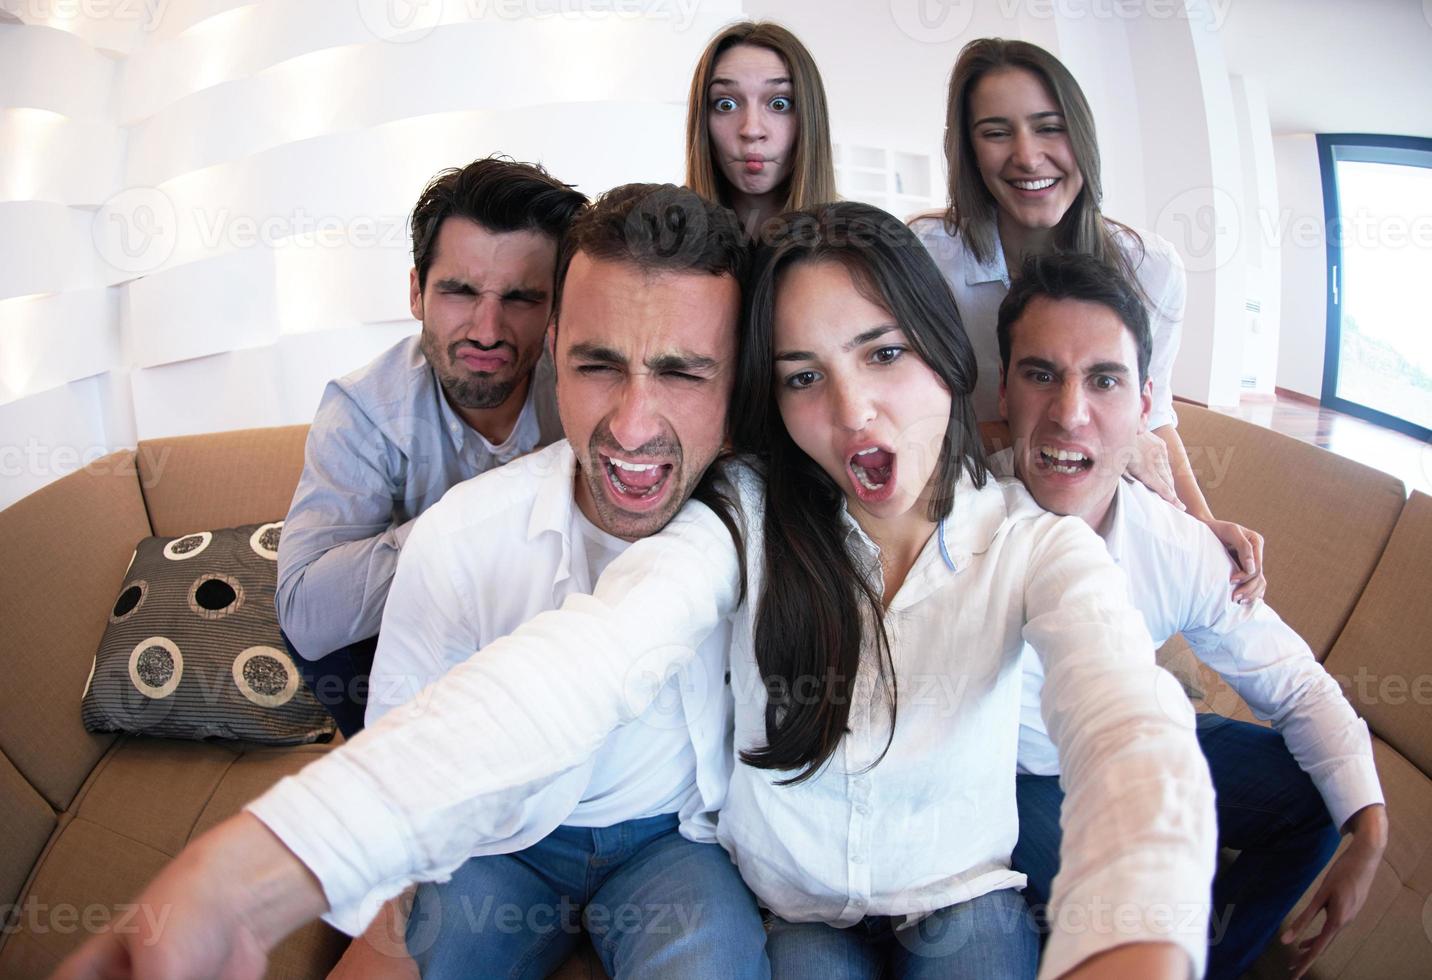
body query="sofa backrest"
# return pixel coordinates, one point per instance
(196, 483)
(66, 546)
(1325, 519)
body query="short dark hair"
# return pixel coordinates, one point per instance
(498, 193)
(655, 227)
(1076, 276)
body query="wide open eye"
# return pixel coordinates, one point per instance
(782, 103)
(724, 104)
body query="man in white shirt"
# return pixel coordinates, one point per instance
(1074, 349)
(624, 843)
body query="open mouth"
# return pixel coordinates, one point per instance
(1065, 462)
(1032, 186)
(874, 472)
(635, 485)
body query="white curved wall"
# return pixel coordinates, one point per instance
(204, 202)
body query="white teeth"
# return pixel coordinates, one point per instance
(863, 480)
(1033, 185)
(1065, 454)
(867, 452)
(622, 464)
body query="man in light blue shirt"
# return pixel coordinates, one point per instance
(470, 392)
(1074, 347)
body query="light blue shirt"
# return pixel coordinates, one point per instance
(384, 446)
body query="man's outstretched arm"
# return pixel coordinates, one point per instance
(215, 911)
(411, 797)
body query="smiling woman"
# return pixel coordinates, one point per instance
(757, 132)
(1025, 179)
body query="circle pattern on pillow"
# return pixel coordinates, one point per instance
(193, 649)
(265, 676)
(214, 595)
(129, 601)
(264, 541)
(190, 545)
(156, 666)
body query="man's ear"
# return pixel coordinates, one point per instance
(415, 294)
(1003, 406)
(1146, 404)
(551, 340)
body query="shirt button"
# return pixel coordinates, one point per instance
(857, 858)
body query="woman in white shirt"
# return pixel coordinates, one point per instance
(757, 133)
(1025, 179)
(876, 668)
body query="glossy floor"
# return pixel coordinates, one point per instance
(1404, 457)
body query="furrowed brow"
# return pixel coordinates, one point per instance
(595, 353)
(683, 361)
(1037, 362)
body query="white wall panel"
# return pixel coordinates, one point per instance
(55, 432)
(46, 248)
(203, 308)
(237, 390)
(322, 288)
(308, 362)
(342, 187)
(50, 157)
(44, 68)
(46, 341)
(459, 68)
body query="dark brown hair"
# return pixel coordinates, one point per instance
(499, 194)
(817, 605)
(1080, 277)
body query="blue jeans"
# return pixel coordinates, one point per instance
(991, 937)
(339, 681)
(654, 903)
(1268, 810)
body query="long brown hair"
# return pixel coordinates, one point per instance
(812, 179)
(972, 211)
(816, 607)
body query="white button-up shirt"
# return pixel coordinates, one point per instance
(1178, 577)
(482, 562)
(472, 757)
(934, 821)
(980, 287)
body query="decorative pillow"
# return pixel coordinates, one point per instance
(192, 649)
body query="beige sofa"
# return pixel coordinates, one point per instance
(87, 819)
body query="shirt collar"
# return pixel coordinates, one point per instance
(451, 421)
(1114, 537)
(968, 530)
(554, 495)
(992, 270)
